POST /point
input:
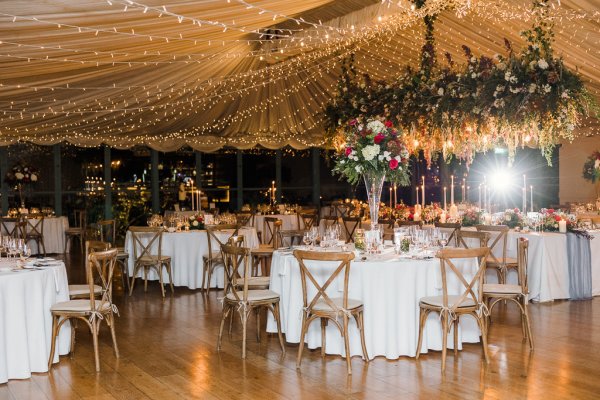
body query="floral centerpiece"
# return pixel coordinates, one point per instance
(513, 218)
(19, 175)
(196, 221)
(432, 213)
(403, 212)
(551, 217)
(471, 217)
(375, 150)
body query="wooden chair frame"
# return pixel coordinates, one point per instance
(15, 231)
(233, 257)
(269, 227)
(461, 235)
(310, 314)
(153, 261)
(244, 218)
(500, 265)
(295, 236)
(100, 264)
(79, 230)
(350, 224)
(409, 223)
(455, 229)
(91, 246)
(262, 256)
(214, 257)
(108, 230)
(34, 230)
(450, 313)
(308, 220)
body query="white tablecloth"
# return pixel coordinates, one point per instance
(26, 322)
(390, 291)
(288, 222)
(54, 235)
(186, 250)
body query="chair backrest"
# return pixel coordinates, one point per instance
(350, 224)
(34, 224)
(307, 220)
(244, 218)
(329, 221)
(80, 218)
(108, 230)
(454, 233)
(410, 223)
(387, 223)
(6, 230)
(218, 235)
(289, 238)
(92, 246)
(498, 242)
(340, 209)
(462, 235)
(471, 290)
(271, 226)
(343, 268)
(522, 262)
(101, 266)
(154, 234)
(233, 258)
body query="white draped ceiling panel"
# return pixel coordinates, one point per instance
(238, 73)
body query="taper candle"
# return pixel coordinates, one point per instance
(445, 196)
(451, 189)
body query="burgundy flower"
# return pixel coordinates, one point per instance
(379, 138)
(348, 151)
(393, 164)
(388, 124)
(353, 122)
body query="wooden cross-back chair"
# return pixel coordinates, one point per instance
(326, 308)
(217, 235)
(93, 310)
(241, 297)
(308, 220)
(14, 231)
(340, 209)
(78, 230)
(77, 291)
(108, 233)
(289, 238)
(519, 293)
(463, 239)
(263, 255)
(268, 231)
(453, 236)
(144, 238)
(244, 218)
(389, 223)
(499, 237)
(329, 221)
(350, 224)
(452, 307)
(34, 231)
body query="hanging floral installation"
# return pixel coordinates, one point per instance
(591, 168)
(521, 98)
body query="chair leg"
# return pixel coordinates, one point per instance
(204, 272)
(135, 271)
(484, 342)
(230, 323)
(160, 280)
(95, 328)
(145, 278)
(528, 325)
(347, 346)
(169, 270)
(53, 342)
(111, 322)
(277, 316)
(244, 318)
(257, 311)
(323, 336)
(66, 242)
(422, 319)
(361, 326)
(73, 332)
(444, 341)
(226, 310)
(455, 323)
(301, 344)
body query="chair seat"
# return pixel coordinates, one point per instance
(497, 288)
(122, 255)
(509, 262)
(438, 301)
(82, 306)
(151, 260)
(74, 231)
(216, 256)
(79, 290)
(256, 295)
(263, 250)
(255, 281)
(322, 305)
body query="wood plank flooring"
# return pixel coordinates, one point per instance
(168, 352)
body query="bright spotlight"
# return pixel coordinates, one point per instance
(500, 180)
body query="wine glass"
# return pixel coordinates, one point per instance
(443, 239)
(306, 238)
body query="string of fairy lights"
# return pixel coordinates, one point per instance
(294, 88)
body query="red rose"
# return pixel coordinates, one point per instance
(550, 211)
(379, 138)
(557, 218)
(388, 124)
(393, 163)
(348, 151)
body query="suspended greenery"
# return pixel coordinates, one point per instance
(526, 98)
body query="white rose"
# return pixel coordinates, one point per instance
(33, 178)
(473, 59)
(565, 94)
(19, 175)
(532, 87)
(542, 64)
(369, 152)
(501, 66)
(358, 169)
(376, 126)
(195, 223)
(507, 75)
(547, 88)
(441, 91)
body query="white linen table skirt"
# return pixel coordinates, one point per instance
(390, 291)
(54, 235)
(187, 250)
(288, 222)
(26, 321)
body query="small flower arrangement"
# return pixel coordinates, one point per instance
(196, 221)
(591, 168)
(404, 212)
(432, 213)
(513, 218)
(373, 146)
(471, 217)
(22, 174)
(551, 217)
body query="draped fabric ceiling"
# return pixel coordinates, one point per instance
(238, 73)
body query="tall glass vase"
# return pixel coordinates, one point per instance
(374, 185)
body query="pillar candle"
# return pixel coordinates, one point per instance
(562, 226)
(451, 189)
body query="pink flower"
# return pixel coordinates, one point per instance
(388, 124)
(393, 163)
(379, 138)
(353, 122)
(348, 151)
(516, 210)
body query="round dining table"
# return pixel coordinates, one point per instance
(187, 249)
(54, 235)
(389, 287)
(26, 296)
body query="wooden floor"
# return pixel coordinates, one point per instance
(168, 352)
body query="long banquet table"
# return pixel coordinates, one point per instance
(25, 320)
(187, 250)
(390, 290)
(54, 235)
